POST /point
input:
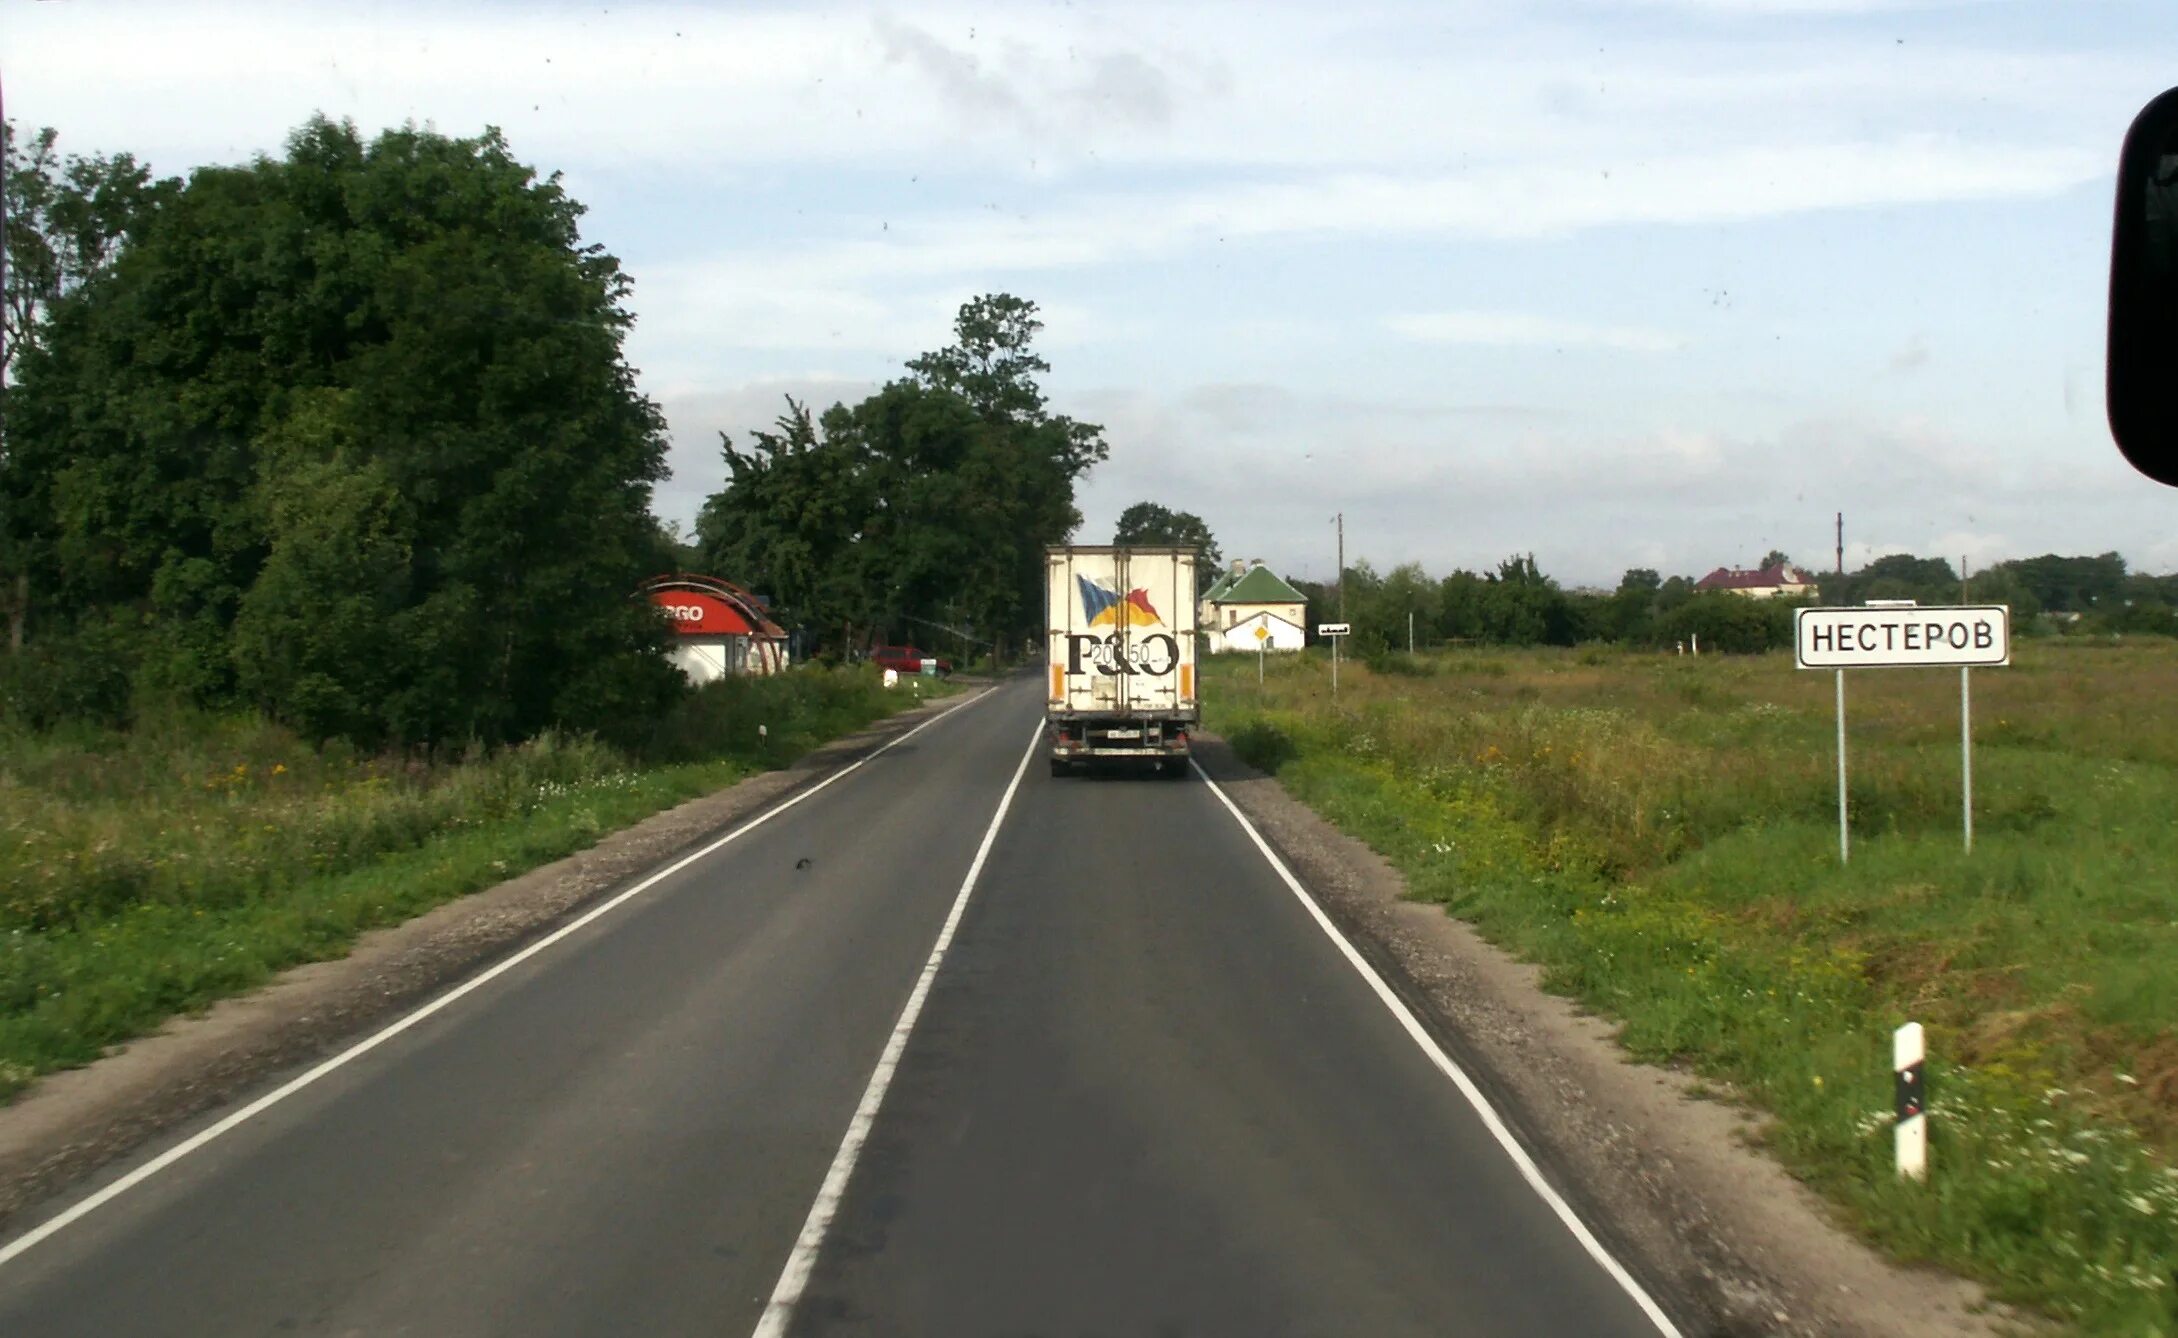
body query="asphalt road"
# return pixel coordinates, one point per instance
(1145, 1094)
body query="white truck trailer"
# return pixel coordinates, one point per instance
(1120, 656)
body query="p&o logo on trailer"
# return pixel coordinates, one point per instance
(1118, 653)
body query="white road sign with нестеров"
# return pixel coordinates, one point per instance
(1968, 636)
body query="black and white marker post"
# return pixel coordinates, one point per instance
(1909, 1054)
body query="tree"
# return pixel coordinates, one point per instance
(931, 501)
(1025, 467)
(2070, 584)
(66, 220)
(1774, 559)
(387, 371)
(1629, 615)
(1720, 620)
(790, 518)
(1377, 606)
(1149, 523)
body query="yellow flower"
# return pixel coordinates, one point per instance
(279, 768)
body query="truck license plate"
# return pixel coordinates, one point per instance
(1122, 734)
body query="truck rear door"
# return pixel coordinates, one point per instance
(1122, 631)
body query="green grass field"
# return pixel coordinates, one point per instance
(1660, 832)
(149, 873)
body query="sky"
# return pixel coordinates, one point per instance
(1654, 283)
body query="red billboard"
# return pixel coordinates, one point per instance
(694, 613)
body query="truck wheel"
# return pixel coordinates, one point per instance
(1174, 768)
(1059, 767)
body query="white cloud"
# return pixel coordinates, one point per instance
(1029, 93)
(1520, 330)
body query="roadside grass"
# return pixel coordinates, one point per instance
(1660, 834)
(149, 873)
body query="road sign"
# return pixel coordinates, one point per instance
(1262, 633)
(1334, 629)
(1966, 636)
(1888, 634)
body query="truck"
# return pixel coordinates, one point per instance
(1120, 656)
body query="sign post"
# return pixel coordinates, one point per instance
(1880, 637)
(1333, 631)
(1966, 750)
(1845, 850)
(1262, 643)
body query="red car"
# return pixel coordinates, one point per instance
(907, 660)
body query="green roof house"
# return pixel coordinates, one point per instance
(1253, 609)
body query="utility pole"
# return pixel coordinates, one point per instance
(1342, 565)
(1340, 521)
(1841, 543)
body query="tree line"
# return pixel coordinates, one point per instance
(347, 436)
(1516, 604)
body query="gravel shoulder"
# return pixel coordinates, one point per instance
(1669, 1178)
(69, 1124)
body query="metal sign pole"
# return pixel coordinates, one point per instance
(1845, 852)
(1334, 668)
(1966, 750)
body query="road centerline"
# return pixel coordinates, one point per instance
(802, 1260)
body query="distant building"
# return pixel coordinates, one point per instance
(719, 629)
(1259, 631)
(1250, 608)
(1766, 583)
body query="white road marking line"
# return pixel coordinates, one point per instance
(802, 1261)
(85, 1207)
(1451, 1069)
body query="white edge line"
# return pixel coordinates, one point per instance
(84, 1207)
(1451, 1069)
(802, 1261)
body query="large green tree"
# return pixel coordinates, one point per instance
(67, 218)
(1153, 523)
(929, 502)
(348, 434)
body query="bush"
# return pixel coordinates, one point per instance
(1735, 624)
(85, 675)
(1262, 745)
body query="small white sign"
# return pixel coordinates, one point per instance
(1334, 629)
(1971, 635)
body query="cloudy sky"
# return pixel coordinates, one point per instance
(1620, 282)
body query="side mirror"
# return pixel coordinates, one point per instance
(2143, 357)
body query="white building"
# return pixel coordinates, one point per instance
(1242, 602)
(1261, 631)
